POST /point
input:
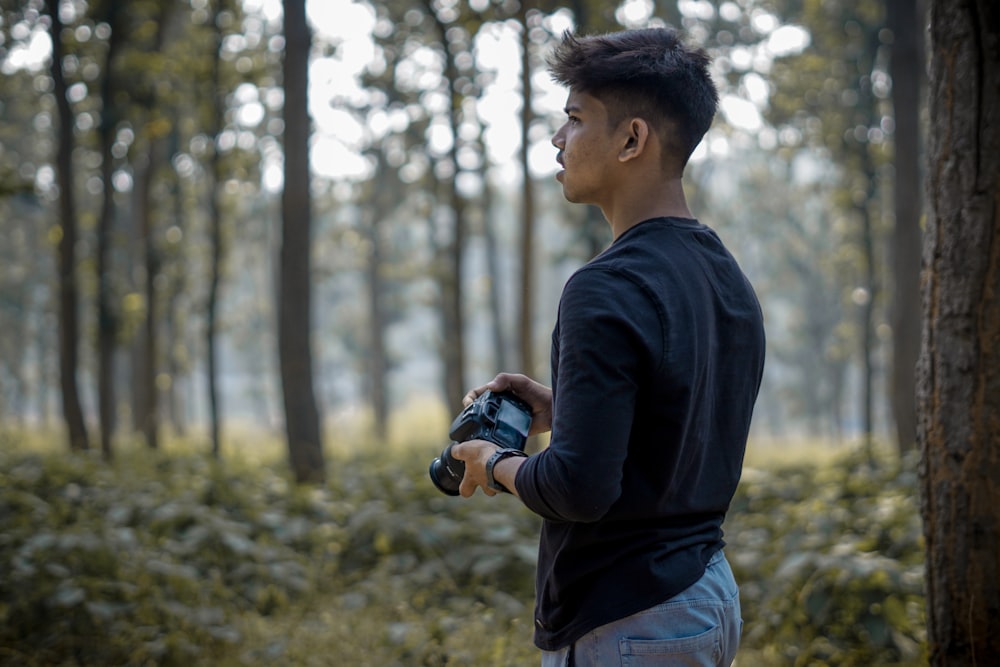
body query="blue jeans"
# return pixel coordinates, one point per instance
(700, 627)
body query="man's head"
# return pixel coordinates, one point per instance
(650, 74)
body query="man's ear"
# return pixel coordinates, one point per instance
(636, 140)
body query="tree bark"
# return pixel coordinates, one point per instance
(526, 331)
(148, 419)
(175, 319)
(907, 71)
(215, 241)
(107, 317)
(379, 322)
(157, 128)
(452, 264)
(380, 207)
(959, 370)
(867, 308)
(498, 330)
(69, 332)
(868, 241)
(302, 421)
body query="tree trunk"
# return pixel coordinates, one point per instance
(148, 419)
(69, 332)
(866, 307)
(175, 318)
(958, 397)
(107, 318)
(527, 206)
(452, 260)
(302, 421)
(378, 375)
(157, 127)
(868, 173)
(380, 206)
(215, 241)
(907, 70)
(498, 330)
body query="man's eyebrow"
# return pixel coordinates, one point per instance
(571, 108)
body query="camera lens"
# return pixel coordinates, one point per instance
(446, 472)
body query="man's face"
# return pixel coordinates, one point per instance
(587, 151)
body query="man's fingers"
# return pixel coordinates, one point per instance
(467, 488)
(502, 382)
(473, 394)
(458, 450)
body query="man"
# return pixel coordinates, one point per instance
(657, 356)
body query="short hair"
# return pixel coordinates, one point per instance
(650, 73)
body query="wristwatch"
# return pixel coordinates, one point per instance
(496, 457)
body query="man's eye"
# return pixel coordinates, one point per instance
(574, 119)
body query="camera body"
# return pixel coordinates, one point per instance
(501, 418)
(498, 417)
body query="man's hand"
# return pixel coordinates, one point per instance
(535, 394)
(475, 454)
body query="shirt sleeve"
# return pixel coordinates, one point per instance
(609, 338)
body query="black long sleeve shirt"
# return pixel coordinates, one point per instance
(657, 356)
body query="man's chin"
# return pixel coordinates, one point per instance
(567, 195)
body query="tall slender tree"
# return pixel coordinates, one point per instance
(498, 328)
(904, 18)
(453, 41)
(833, 94)
(69, 330)
(107, 316)
(384, 186)
(302, 420)
(217, 121)
(175, 309)
(958, 396)
(526, 329)
(158, 125)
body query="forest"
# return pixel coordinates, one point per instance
(254, 252)
(435, 264)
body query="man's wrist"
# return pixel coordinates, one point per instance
(495, 458)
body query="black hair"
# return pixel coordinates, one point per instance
(650, 73)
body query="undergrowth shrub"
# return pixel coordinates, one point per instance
(172, 559)
(111, 567)
(831, 564)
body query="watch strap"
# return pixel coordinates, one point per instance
(496, 457)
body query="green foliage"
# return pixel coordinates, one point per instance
(133, 566)
(169, 558)
(830, 562)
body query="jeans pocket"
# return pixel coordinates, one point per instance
(701, 649)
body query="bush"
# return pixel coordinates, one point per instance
(171, 559)
(831, 564)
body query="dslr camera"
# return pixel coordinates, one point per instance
(499, 417)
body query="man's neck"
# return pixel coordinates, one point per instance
(644, 203)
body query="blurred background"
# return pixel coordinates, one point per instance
(438, 238)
